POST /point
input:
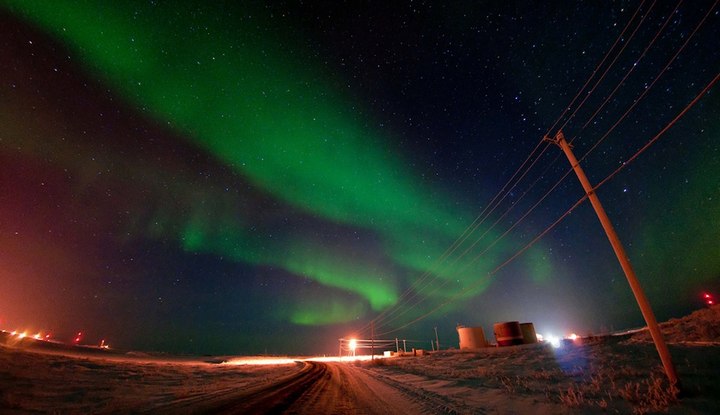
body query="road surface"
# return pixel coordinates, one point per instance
(312, 388)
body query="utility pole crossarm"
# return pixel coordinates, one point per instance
(622, 257)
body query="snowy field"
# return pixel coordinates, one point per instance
(604, 376)
(620, 374)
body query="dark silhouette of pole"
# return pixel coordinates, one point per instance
(622, 257)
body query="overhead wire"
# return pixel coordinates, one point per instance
(658, 135)
(492, 206)
(595, 145)
(384, 319)
(446, 281)
(633, 66)
(632, 35)
(599, 65)
(464, 237)
(637, 100)
(477, 222)
(644, 148)
(490, 274)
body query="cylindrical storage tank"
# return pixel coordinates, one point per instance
(528, 333)
(471, 337)
(508, 333)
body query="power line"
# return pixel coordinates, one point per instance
(632, 67)
(476, 224)
(492, 205)
(658, 135)
(642, 19)
(607, 54)
(385, 319)
(564, 215)
(397, 313)
(646, 90)
(406, 297)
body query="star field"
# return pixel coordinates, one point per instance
(241, 178)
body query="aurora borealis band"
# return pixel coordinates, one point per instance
(240, 178)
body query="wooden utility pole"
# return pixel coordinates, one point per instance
(437, 341)
(623, 258)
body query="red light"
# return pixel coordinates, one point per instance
(709, 300)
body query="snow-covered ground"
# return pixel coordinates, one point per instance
(33, 381)
(615, 374)
(601, 376)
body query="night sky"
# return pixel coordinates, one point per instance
(241, 177)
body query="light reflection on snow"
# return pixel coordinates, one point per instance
(290, 360)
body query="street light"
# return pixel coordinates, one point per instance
(353, 345)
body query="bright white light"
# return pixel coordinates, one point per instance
(573, 336)
(37, 336)
(539, 337)
(22, 335)
(554, 340)
(353, 344)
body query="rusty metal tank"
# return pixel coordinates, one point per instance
(471, 337)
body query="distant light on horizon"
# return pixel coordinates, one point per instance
(709, 300)
(554, 340)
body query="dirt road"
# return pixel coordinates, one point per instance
(315, 388)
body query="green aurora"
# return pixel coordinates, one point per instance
(285, 125)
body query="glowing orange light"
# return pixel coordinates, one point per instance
(289, 361)
(353, 344)
(573, 336)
